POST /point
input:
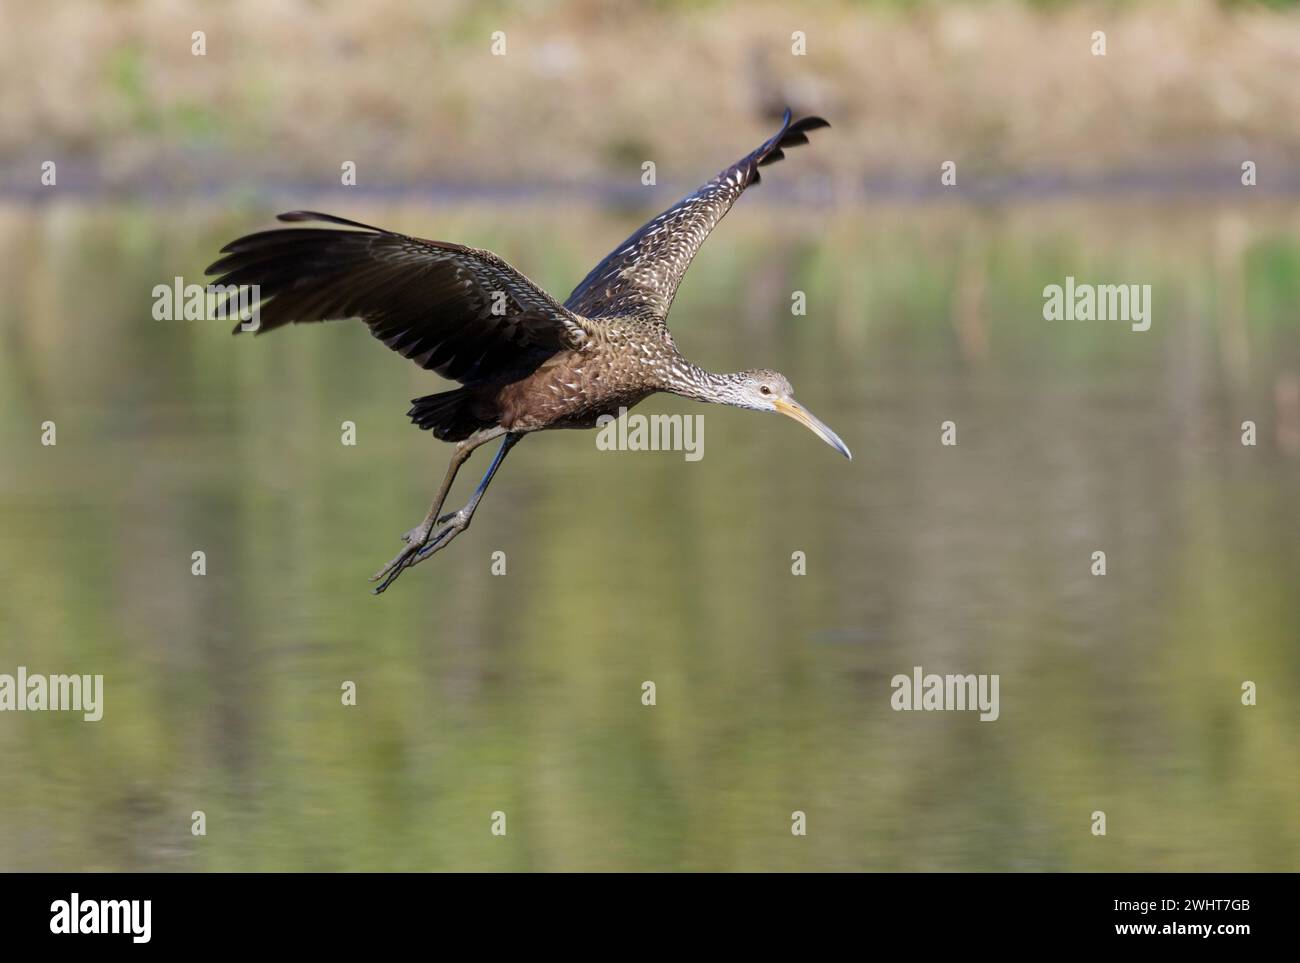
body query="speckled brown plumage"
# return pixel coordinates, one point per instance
(525, 362)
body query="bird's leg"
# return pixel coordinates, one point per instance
(417, 536)
(420, 534)
(459, 520)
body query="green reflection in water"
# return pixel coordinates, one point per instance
(522, 693)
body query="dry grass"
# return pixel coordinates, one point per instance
(409, 91)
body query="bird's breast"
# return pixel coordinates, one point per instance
(575, 389)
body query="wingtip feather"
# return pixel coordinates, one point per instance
(298, 216)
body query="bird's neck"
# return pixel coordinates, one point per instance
(691, 381)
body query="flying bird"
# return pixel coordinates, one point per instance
(524, 361)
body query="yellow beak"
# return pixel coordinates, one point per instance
(806, 418)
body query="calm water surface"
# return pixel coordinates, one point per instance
(522, 693)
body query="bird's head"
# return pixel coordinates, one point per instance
(764, 390)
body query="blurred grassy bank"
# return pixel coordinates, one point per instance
(586, 91)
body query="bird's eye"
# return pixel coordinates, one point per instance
(766, 390)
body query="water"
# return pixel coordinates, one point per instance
(522, 693)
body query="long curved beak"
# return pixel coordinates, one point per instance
(814, 424)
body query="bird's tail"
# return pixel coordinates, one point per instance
(450, 415)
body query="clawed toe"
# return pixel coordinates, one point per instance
(418, 548)
(397, 563)
(415, 540)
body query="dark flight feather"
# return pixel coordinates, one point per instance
(461, 312)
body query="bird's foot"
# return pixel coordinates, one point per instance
(456, 523)
(419, 546)
(415, 540)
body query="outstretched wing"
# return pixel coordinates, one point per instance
(458, 311)
(640, 278)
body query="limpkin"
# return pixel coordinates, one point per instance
(525, 362)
